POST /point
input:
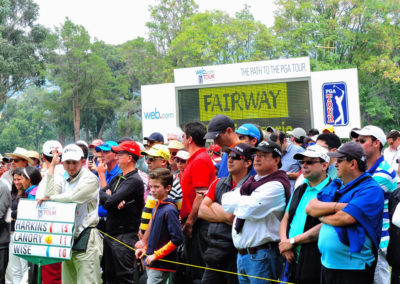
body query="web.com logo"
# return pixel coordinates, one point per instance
(157, 115)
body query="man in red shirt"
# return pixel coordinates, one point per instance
(197, 177)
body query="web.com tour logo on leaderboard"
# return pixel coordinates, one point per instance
(157, 115)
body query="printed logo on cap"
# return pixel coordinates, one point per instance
(335, 100)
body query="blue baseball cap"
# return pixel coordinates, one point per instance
(155, 136)
(250, 130)
(106, 146)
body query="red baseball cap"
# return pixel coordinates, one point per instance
(96, 143)
(214, 147)
(128, 146)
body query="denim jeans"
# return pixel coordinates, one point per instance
(265, 263)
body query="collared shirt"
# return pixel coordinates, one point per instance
(263, 211)
(114, 172)
(82, 189)
(299, 218)
(385, 175)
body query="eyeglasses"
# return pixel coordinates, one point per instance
(309, 162)
(261, 155)
(15, 160)
(236, 157)
(178, 160)
(71, 162)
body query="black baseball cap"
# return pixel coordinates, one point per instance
(155, 136)
(218, 124)
(267, 147)
(241, 149)
(350, 149)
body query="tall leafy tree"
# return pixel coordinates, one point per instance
(356, 33)
(166, 19)
(23, 48)
(84, 78)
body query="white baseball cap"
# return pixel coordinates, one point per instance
(371, 130)
(72, 152)
(50, 146)
(313, 151)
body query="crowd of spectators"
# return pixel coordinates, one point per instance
(248, 203)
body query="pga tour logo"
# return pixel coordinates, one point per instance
(335, 100)
(205, 75)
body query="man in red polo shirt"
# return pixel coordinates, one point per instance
(197, 177)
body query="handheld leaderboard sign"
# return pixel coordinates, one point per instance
(45, 234)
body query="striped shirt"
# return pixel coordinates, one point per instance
(385, 175)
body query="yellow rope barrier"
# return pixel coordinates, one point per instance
(196, 266)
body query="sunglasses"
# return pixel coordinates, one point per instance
(309, 162)
(339, 160)
(173, 154)
(15, 160)
(215, 153)
(361, 141)
(180, 161)
(151, 158)
(236, 157)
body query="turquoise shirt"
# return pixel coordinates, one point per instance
(332, 172)
(299, 218)
(336, 255)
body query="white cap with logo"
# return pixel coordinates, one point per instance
(371, 130)
(313, 151)
(72, 152)
(50, 146)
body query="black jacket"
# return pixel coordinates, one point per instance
(129, 188)
(309, 259)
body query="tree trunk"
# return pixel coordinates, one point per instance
(87, 131)
(76, 112)
(103, 125)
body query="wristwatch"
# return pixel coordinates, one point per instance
(292, 241)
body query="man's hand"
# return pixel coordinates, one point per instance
(150, 259)
(108, 192)
(188, 229)
(121, 205)
(102, 168)
(39, 202)
(289, 255)
(140, 253)
(284, 246)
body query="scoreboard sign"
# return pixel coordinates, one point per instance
(45, 231)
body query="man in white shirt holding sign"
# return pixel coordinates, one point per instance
(82, 187)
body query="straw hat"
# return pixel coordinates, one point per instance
(20, 153)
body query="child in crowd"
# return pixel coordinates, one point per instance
(165, 230)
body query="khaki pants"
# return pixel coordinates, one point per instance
(84, 267)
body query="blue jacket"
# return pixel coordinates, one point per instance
(165, 227)
(365, 204)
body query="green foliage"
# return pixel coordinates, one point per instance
(23, 48)
(340, 34)
(23, 122)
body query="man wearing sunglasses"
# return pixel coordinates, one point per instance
(82, 187)
(351, 212)
(298, 231)
(221, 252)
(392, 153)
(372, 139)
(19, 158)
(258, 207)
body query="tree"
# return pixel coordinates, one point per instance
(84, 78)
(166, 20)
(341, 34)
(24, 123)
(23, 48)
(216, 38)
